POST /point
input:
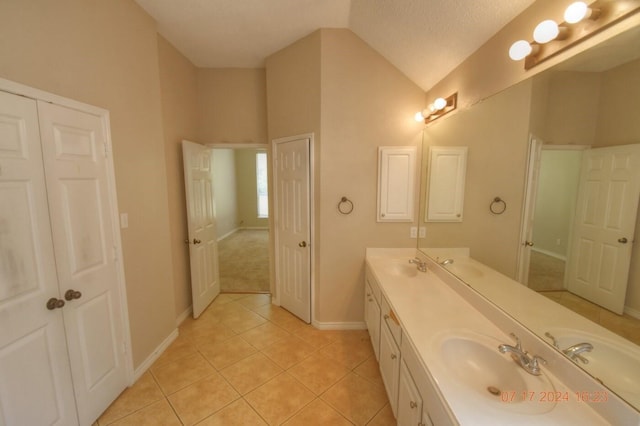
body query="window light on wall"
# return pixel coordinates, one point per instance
(262, 185)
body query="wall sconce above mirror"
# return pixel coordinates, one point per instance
(581, 20)
(439, 108)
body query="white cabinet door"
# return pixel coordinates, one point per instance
(372, 318)
(409, 399)
(35, 379)
(81, 212)
(389, 366)
(201, 224)
(447, 171)
(396, 183)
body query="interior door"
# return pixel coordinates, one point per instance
(604, 226)
(74, 150)
(293, 256)
(201, 218)
(35, 379)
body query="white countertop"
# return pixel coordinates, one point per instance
(429, 310)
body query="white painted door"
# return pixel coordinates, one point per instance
(74, 148)
(292, 201)
(35, 378)
(531, 191)
(604, 226)
(201, 218)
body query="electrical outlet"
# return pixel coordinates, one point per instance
(414, 232)
(422, 232)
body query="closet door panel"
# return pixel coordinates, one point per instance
(34, 367)
(83, 235)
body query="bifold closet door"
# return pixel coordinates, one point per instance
(35, 378)
(74, 151)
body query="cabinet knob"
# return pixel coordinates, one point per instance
(54, 303)
(412, 404)
(69, 295)
(386, 316)
(394, 356)
(370, 300)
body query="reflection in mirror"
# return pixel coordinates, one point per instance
(541, 146)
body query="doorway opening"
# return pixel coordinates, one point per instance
(242, 200)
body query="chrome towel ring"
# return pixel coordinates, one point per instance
(498, 206)
(345, 206)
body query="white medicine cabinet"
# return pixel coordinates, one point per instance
(396, 183)
(447, 171)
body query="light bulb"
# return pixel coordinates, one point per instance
(520, 50)
(546, 31)
(439, 104)
(576, 12)
(419, 116)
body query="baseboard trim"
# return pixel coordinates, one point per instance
(147, 363)
(228, 234)
(632, 312)
(256, 228)
(356, 325)
(183, 316)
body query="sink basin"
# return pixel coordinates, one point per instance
(625, 380)
(485, 376)
(399, 268)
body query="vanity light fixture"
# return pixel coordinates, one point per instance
(438, 108)
(584, 19)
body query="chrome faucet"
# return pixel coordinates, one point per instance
(574, 351)
(530, 364)
(422, 266)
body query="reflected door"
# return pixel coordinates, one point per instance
(75, 162)
(201, 224)
(35, 378)
(293, 258)
(603, 232)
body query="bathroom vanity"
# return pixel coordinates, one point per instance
(436, 340)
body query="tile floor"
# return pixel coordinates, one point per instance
(248, 362)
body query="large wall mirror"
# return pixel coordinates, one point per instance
(539, 146)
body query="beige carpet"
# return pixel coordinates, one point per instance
(545, 272)
(244, 261)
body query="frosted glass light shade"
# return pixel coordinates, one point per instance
(419, 116)
(546, 31)
(520, 50)
(576, 12)
(439, 104)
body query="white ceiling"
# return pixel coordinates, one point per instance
(425, 39)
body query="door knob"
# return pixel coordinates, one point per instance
(195, 241)
(302, 244)
(69, 295)
(54, 303)
(622, 240)
(528, 243)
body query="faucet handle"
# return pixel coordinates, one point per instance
(535, 364)
(517, 339)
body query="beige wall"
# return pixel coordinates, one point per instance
(247, 189)
(232, 105)
(105, 53)
(178, 89)
(497, 134)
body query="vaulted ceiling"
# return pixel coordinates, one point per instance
(425, 39)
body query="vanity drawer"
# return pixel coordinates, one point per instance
(391, 320)
(371, 286)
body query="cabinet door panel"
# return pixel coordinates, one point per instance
(389, 366)
(409, 399)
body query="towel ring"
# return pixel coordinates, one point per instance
(345, 206)
(498, 206)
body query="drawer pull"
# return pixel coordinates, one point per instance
(394, 356)
(413, 404)
(386, 316)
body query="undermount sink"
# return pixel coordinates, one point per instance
(400, 268)
(487, 377)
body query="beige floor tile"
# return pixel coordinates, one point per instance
(289, 351)
(244, 322)
(318, 373)
(203, 398)
(316, 338)
(206, 330)
(179, 374)
(159, 413)
(318, 413)
(370, 370)
(356, 398)
(279, 398)
(289, 323)
(383, 418)
(351, 353)
(144, 392)
(255, 300)
(179, 348)
(271, 311)
(251, 372)
(264, 335)
(238, 413)
(223, 354)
